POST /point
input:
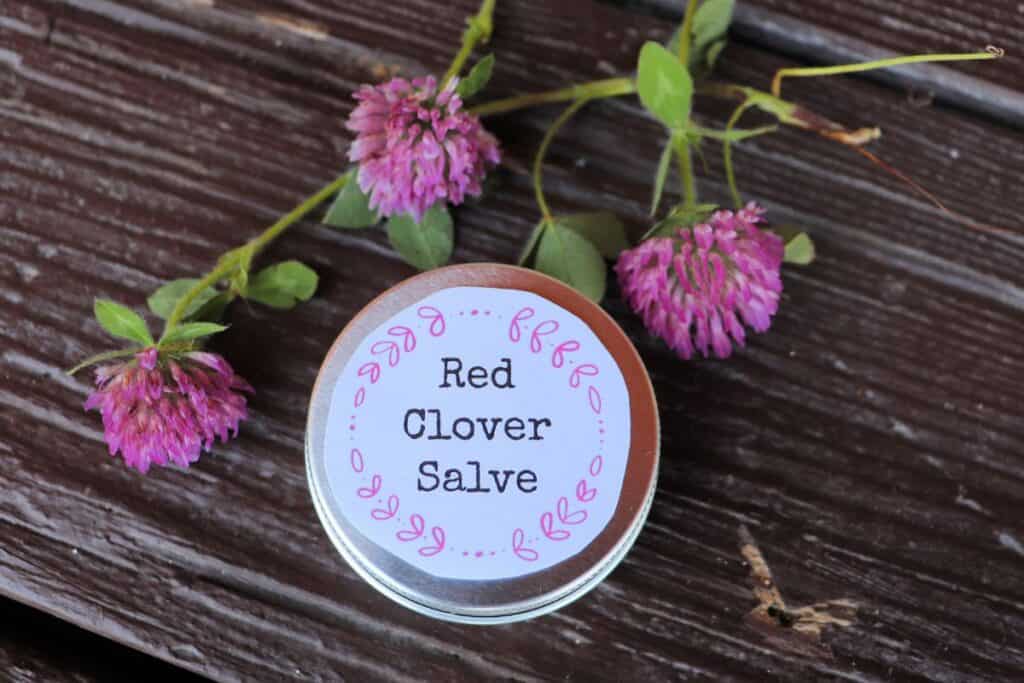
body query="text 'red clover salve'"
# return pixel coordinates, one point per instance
(482, 443)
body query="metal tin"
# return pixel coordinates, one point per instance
(411, 579)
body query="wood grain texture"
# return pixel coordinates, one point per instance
(871, 443)
(38, 648)
(823, 32)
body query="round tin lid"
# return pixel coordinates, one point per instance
(482, 443)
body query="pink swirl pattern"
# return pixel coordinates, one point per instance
(595, 465)
(407, 336)
(436, 318)
(415, 530)
(390, 348)
(355, 458)
(547, 527)
(515, 333)
(581, 371)
(585, 494)
(372, 368)
(439, 540)
(567, 517)
(545, 328)
(558, 355)
(520, 549)
(382, 514)
(359, 398)
(594, 396)
(372, 490)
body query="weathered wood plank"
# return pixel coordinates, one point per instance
(37, 648)
(825, 32)
(871, 442)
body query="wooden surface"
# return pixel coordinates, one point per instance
(38, 648)
(867, 450)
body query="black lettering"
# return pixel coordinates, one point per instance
(425, 468)
(466, 433)
(506, 368)
(501, 484)
(451, 371)
(477, 488)
(437, 435)
(418, 412)
(536, 423)
(489, 433)
(526, 477)
(453, 480)
(514, 428)
(477, 377)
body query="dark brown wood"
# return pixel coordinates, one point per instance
(870, 443)
(823, 32)
(35, 647)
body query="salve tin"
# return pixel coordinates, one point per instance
(482, 444)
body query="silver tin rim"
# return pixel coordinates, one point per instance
(561, 584)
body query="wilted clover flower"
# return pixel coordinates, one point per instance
(416, 147)
(693, 289)
(165, 410)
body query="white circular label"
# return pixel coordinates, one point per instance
(481, 433)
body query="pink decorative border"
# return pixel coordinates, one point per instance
(555, 525)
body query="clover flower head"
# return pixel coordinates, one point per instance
(697, 288)
(165, 410)
(416, 146)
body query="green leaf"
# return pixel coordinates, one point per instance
(681, 217)
(282, 285)
(121, 322)
(213, 309)
(427, 244)
(603, 229)
(190, 331)
(799, 247)
(567, 256)
(664, 86)
(662, 173)
(712, 54)
(163, 300)
(351, 208)
(710, 25)
(531, 244)
(240, 280)
(477, 78)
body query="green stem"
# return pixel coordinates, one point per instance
(808, 72)
(686, 172)
(538, 161)
(101, 357)
(228, 264)
(592, 90)
(479, 30)
(686, 33)
(730, 174)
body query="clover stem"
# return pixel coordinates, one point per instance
(990, 52)
(538, 161)
(228, 263)
(686, 172)
(730, 174)
(686, 33)
(591, 90)
(479, 31)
